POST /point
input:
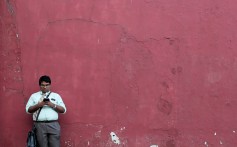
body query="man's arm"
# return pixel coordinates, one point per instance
(57, 108)
(60, 106)
(34, 108)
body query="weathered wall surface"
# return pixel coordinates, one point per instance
(153, 72)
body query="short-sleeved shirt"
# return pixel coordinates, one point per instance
(47, 113)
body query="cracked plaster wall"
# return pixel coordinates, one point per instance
(153, 72)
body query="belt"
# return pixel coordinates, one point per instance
(46, 121)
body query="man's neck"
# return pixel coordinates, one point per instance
(44, 93)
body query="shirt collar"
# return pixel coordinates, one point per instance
(45, 93)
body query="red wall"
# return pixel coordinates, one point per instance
(153, 72)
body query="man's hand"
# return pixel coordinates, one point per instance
(57, 108)
(50, 104)
(34, 108)
(41, 104)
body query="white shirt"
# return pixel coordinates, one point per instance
(47, 113)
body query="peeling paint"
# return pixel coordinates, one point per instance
(114, 138)
(98, 134)
(68, 143)
(122, 129)
(206, 143)
(221, 142)
(10, 7)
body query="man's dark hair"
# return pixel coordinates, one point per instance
(44, 79)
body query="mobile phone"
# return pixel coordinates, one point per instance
(46, 99)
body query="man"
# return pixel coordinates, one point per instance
(47, 126)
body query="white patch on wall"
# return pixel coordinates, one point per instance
(206, 143)
(122, 129)
(114, 138)
(68, 143)
(221, 142)
(154, 146)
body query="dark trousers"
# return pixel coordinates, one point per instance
(48, 134)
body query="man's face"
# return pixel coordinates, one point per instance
(45, 87)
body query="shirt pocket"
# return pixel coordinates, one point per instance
(53, 100)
